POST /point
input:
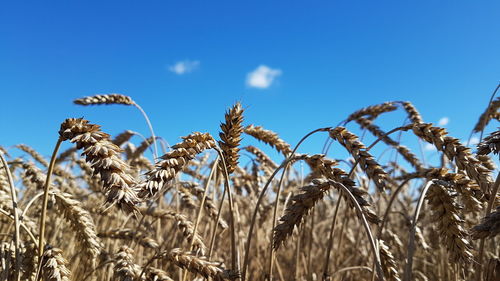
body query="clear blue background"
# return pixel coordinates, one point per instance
(335, 57)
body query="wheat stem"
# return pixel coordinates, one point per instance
(16, 214)
(411, 239)
(491, 202)
(150, 128)
(330, 238)
(261, 197)
(46, 199)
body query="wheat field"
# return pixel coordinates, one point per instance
(369, 207)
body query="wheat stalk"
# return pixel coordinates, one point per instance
(129, 234)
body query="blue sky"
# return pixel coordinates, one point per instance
(327, 58)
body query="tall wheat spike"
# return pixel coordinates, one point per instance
(231, 136)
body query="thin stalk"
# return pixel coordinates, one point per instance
(200, 211)
(488, 211)
(378, 265)
(16, 214)
(214, 232)
(309, 250)
(150, 129)
(389, 205)
(352, 268)
(261, 196)
(411, 239)
(275, 212)
(31, 203)
(46, 200)
(330, 239)
(235, 263)
(23, 226)
(297, 255)
(202, 203)
(345, 222)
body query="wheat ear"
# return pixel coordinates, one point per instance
(54, 265)
(125, 268)
(270, 138)
(446, 214)
(173, 162)
(104, 157)
(183, 223)
(490, 144)
(487, 115)
(231, 136)
(454, 150)
(82, 224)
(358, 150)
(198, 265)
(412, 112)
(372, 111)
(489, 226)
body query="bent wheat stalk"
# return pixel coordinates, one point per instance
(284, 164)
(15, 211)
(46, 199)
(411, 239)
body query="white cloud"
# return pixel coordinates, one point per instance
(429, 147)
(262, 77)
(443, 121)
(183, 67)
